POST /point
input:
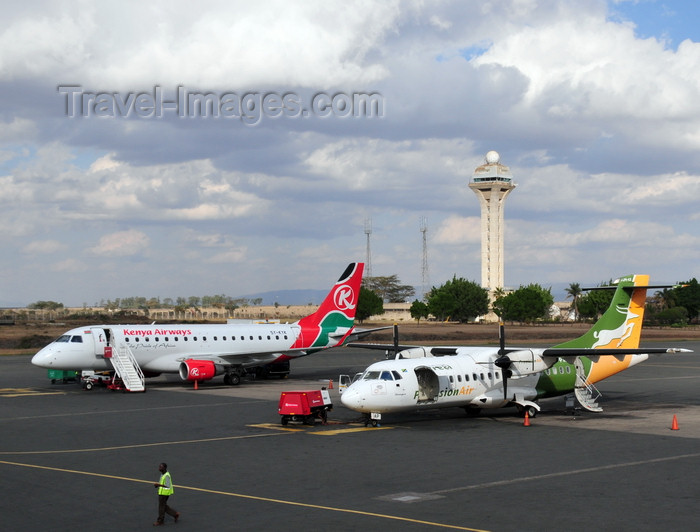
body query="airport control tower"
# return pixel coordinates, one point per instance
(492, 182)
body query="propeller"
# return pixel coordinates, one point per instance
(503, 361)
(395, 341)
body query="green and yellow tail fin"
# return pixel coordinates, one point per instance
(621, 324)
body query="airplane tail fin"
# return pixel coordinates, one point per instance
(621, 324)
(331, 324)
(620, 327)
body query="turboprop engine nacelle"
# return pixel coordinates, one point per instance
(527, 361)
(198, 370)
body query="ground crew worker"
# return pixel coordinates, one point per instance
(165, 490)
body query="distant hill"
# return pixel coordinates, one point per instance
(290, 297)
(304, 297)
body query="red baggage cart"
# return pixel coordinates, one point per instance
(305, 406)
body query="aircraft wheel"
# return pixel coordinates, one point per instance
(374, 423)
(234, 379)
(531, 411)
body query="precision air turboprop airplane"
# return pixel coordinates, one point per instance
(200, 352)
(493, 377)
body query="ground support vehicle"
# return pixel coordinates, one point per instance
(305, 406)
(90, 379)
(108, 379)
(58, 375)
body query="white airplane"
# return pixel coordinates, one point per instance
(200, 352)
(494, 377)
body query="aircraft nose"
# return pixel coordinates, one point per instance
(44, 358)
(351, 398)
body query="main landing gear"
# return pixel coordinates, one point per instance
(233, 378)
(530, 410)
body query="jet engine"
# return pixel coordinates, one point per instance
(198, 370)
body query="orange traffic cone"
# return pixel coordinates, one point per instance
(526, 423)
(330, 384)
(674, 424)
(196, 387)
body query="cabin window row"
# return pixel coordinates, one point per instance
(137, 339)
(476, 377)
(561, 370)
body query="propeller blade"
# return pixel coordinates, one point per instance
(501, 339)
(395, 342)
(503, 361)
(396, 338)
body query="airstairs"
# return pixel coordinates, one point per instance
(586, 393)
(126, 367)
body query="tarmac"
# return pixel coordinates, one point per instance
(73, 459)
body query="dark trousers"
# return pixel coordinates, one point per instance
(163, 508)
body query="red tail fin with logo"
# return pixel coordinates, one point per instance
(334, 319)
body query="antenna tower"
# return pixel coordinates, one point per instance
(368, 261)
(425, 275)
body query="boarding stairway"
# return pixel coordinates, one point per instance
(585, 392)
(126, 367)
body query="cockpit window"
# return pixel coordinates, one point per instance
(63, 338)
(386, 376)
(396, 374)
(77, 339)
(371, 375)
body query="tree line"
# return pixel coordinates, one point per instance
(462, 300)
(143, 303)
(457, 300)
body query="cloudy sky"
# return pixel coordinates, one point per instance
(111, 187)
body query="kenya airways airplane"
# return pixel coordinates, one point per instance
(200, 352)
(476, 378)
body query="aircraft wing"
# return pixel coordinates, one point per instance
(169, 363)
(592, 353)
(361, 333)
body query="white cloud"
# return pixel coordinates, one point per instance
(599, 127)
(122, 244)
(42, 247)
(104, 163)
(132, 45)
(456, 230)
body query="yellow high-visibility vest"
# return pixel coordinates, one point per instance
(165, 480)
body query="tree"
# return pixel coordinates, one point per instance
(574, 292)
(368, 304)
(459, 300)
(419, 310)
(527, 303)
(595, 302)
(672, 316)
(46, 305)
(688, 296)
(666, 298)
(389, 288)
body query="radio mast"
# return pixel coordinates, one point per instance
(368, 260)
(425, 274)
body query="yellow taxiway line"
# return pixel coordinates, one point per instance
(250, 497)
(25, 392)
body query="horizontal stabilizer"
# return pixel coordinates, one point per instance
(632, 287)
(383, 347)
(583, 352)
